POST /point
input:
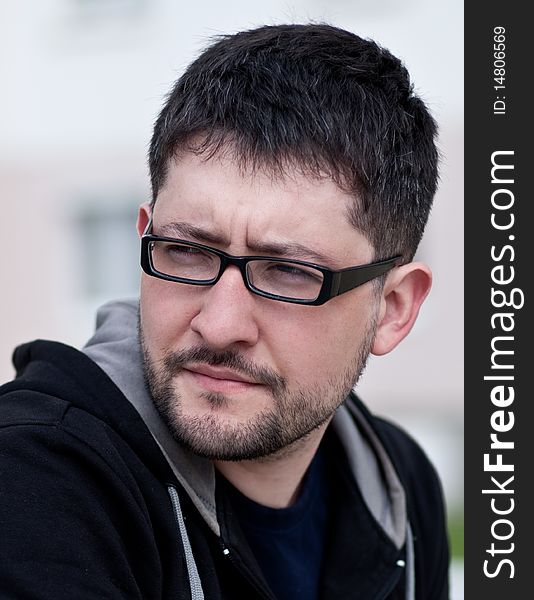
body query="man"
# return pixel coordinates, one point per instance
(207, 444)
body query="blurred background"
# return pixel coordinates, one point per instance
(82, 82)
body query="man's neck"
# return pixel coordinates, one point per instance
(275, 480)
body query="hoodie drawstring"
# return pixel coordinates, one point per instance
(410, 567)
(194, 578)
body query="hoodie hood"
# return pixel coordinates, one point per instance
(115, 348)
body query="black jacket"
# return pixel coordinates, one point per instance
(86, 505)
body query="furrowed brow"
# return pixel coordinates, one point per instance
(180, 229)
(183, 230)
(292, 250)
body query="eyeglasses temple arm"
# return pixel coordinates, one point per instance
(349, 279)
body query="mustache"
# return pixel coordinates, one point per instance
(175, 362)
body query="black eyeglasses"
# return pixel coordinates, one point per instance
(279, 279)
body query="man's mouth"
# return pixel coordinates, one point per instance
(219, 379)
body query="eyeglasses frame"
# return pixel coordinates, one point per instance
(335, 282)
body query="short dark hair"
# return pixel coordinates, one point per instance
(319, 98)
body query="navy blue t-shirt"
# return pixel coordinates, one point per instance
(288, 543)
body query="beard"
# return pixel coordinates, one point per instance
(292, 416)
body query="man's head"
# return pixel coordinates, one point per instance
(294, 142)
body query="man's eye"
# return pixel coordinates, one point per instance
(295, 272)
(183, 250)
(184, 255)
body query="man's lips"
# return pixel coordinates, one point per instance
(219, 379)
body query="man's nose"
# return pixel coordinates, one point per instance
(227, 312)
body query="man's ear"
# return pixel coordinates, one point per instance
(143, 217)
(404, 291)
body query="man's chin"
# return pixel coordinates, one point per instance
(226, 438)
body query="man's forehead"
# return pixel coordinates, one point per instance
(211, 175)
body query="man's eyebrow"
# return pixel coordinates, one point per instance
(183, 230)
(180, 229)
(291, 250)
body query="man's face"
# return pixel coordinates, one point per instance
(235, 375)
